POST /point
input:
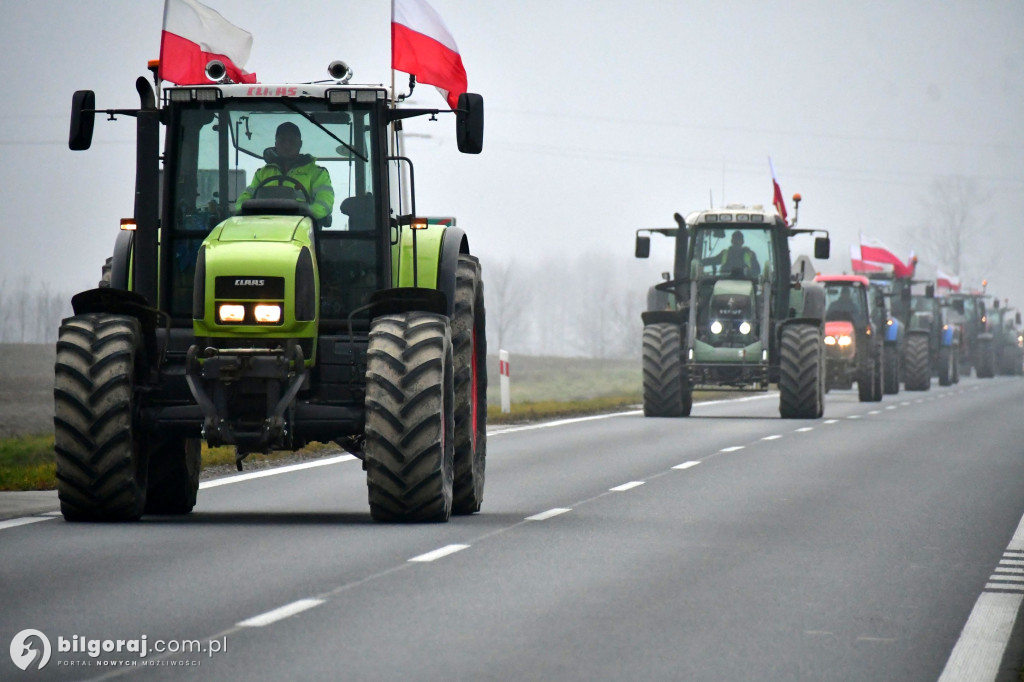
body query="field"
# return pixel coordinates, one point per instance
(26, 383)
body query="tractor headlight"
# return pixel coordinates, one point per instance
(716, 327)
(231, 312)
(267, 313)
(830, 340)
(844, 340)
(744, 328)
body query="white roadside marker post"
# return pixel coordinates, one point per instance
(503, 371)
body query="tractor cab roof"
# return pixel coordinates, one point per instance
(737, 216)
(337, 93)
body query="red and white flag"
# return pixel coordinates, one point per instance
(946, 280)
(874, 251)
(194, 35)
(777, 200)
(860, 265)
(421, 45)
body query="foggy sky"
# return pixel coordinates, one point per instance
(601, 117)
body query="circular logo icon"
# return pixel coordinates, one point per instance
(24, 654)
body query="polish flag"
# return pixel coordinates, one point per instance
(421, 45)
(860, 266)
(780, 203)
(194, 35)
(874, 251)
(946, 280)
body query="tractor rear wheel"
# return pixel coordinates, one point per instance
(945, 366)
(917, 368)
(667, 391)
(891, 356)
(801, 373)
(984, 368)
(174, 465)
(410, 424)
(101, 469)
(469, 352)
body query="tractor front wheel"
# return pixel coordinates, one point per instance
(801, 373)
(667, 391)
(916, 364)
(101, 469)
(410, 424)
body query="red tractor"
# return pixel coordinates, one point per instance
(855, 317)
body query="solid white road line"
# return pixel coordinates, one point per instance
(686, 465)
(438, 553)
(24, 521)
(286, 611)
(979, 651)
(544, 516)
(274, 472)
(626, 486)
(1017, 543)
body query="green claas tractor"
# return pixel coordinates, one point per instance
(239, 313)
(735, 314)
(855, 317)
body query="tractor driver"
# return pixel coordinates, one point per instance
(845, 307)
(737, 258)
(288, 166)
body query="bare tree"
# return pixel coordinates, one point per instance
(507, 301)
(956, 221)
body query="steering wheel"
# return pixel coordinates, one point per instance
(286, 180)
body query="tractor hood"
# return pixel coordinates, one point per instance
(271, 228)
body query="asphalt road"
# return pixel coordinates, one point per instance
(732, 545)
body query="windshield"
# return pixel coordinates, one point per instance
(845, 301)
(224, 153)
(732, 252)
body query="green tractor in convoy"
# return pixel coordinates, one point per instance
(971, 314)
(933, 343)
(263, 327)
(1007, 340)
(736, 314)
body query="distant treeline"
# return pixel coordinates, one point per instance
(30, 312)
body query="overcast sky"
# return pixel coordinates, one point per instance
(602, 117)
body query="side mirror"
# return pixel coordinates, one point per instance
(929, 291)
(680, 221)
(822, 248)
(83, 117)
(643, 246)
(469, 123)
(879, 300)
(995, 304)
(1018, 318)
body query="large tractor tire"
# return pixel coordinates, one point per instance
(916, 365)
(667, 391)
(801, 373)
(946, 356)
(174, 466)
(985, 368)
(410, 423)
(869, 381)
(891, 355)
(469, 352)
(101, 470)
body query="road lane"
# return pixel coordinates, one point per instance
(851, 550)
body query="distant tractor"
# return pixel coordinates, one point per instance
(854, 338)
(976, 351)
(265, 323)
(734, 315)
(933, 344)
(1008, 341)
